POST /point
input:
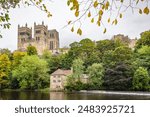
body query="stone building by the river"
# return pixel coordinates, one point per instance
(58, 79)
(43, 39)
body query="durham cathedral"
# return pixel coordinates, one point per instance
(43, 38)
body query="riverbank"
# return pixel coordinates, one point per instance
(138, 93)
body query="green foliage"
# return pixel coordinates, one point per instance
(31, 50)
(144, 40)
(6, 51)
(96, 74)
(54, 63)
(143, 57)
(119, 77)
(5, 67)
(46, 55)
(73, 84)
(6, 5)
(122, 53)
(85, 49)
(78, 68)
(141, 80)
(17, 57)
(32, 73)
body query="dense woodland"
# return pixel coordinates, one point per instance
(110, 65)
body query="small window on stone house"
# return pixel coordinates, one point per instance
(59, 80)
(54, 81)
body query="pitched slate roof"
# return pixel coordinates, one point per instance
(62, 72)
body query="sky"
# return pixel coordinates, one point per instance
(132, 24)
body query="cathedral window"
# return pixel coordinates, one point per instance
(45, 33)
(23, 40)
(37, 31)
(51, 35)
(51, 45)
(22, 33)
(37, 38)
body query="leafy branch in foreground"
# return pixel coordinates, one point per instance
(6, 5)
(95, 10)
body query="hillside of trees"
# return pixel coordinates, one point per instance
(110, 65)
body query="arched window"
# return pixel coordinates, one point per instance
(51, 47)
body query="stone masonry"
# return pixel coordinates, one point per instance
(43, 38)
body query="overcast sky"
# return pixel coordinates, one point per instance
(131, 25)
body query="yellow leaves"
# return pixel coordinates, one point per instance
(115, 21)
(120, 15)
(108, 20)
(49, 15)
(72, 29)
(68, 2)
(105, 30)
(121, 1)
(95, 4)
(146, 10)
(92, 20)
(140, 11)
(99, 18)
(98, 23)
(89, 14)
(107, 4)
(100, 12)
(77, 13)
(103, 6)
(69, 22)
(79, 31)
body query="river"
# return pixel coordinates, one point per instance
(84, 95)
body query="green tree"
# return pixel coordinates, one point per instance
(96, 74)
(119, 77)
(31, 50)
(141, 79)
(6, 51)
(143, 57)
(17, 57)
(85, 49)
(78, 68)
(144, 40)
(5, 67)
(32, 73)
(46, 55)
(54, 63)
(122, 54)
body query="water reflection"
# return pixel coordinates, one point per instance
(31, 95)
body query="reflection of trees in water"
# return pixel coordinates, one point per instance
(74, 96)
(35, 95)
(23, 95)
